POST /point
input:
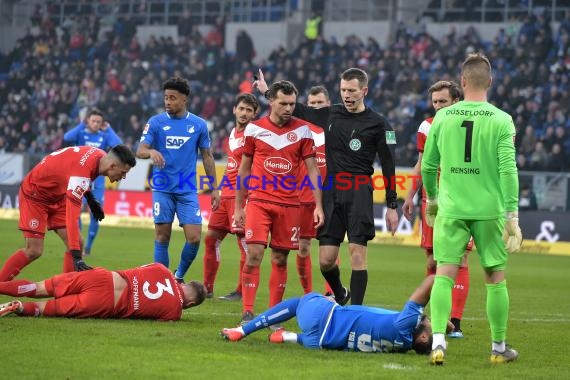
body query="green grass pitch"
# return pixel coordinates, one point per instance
(37, 348)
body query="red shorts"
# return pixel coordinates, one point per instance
(282, 221)
(308, 230)
(223, 218)
(427, 233)
(36, 217)
(83, 294)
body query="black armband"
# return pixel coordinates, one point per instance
(392, 204)
(89, 197)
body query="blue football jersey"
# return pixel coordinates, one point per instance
(81, 135)
(360, 328)
(179, 141)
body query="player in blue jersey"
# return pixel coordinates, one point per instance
(172, 140)
(325, 324)
(93, 131)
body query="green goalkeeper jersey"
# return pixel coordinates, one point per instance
(473, 145)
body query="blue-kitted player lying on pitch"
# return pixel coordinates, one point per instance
(327, 325)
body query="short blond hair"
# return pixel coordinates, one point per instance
(476, 70)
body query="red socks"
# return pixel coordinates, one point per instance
(430, 270)
(460, 292)
(242, 245)
(211, 262)
(68, 262)
(305, 273)
(277, 283)
(31, 309)
(18, 288)
(250, 278)
(14, 265)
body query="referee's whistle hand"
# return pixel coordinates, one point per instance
(392, 220)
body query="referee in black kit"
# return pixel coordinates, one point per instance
(354, 134)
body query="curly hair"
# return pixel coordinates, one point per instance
(178, 84)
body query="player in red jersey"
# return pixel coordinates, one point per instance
(146, 292)
(221, 220)
(443, 94)
(318, 97)
(275, 147)
(50, 198)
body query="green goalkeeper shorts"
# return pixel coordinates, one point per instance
(451, 236)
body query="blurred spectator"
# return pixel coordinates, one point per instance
(539, 156)
(557, 160)
(528, 141)
(185, 24)
(527, 199)
(245, 51)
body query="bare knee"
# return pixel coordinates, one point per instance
(279, 257)
(34, 249)
(193, 239)
(358, 261)
(192, 233)
(304, 248)
(162, 237)
(254, 255)
(357, 256)
(327, 257)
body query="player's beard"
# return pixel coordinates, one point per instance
(241, 125)
(285, 118)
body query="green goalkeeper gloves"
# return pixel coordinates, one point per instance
(431, 211)
(512, 236)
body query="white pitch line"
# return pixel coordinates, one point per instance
(398, 366)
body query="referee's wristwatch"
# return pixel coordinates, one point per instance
(392, 205)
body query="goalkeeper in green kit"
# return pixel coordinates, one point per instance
(472, 144)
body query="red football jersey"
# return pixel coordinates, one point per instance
(423, 132)
(306, 191)
(277, 154)
(66, 173)
(152, 292)
(234, 150)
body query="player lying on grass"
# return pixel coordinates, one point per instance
(146, 292)
(327, 325)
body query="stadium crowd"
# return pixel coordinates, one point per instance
(55, 72)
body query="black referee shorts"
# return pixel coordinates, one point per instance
(347, 211)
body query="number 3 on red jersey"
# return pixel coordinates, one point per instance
(160, 289)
